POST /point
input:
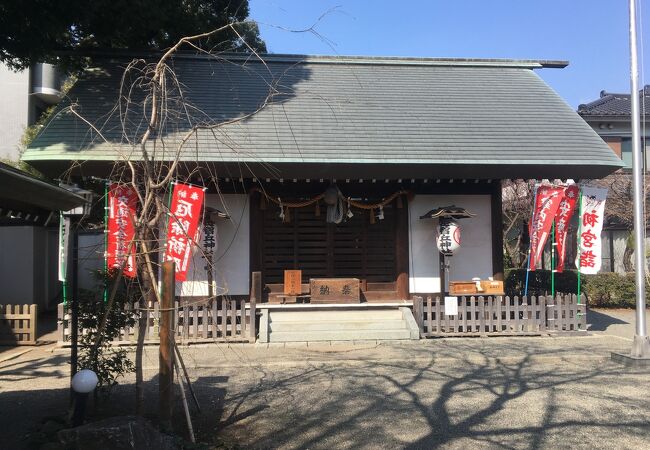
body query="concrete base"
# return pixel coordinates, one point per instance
(340, 324)
(639, 356)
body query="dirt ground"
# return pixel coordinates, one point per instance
(509, 392)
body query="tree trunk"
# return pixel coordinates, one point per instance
(148, 298)
(627, 259)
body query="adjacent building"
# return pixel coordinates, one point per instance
(610, 117)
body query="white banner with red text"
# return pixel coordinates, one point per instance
(592, 216)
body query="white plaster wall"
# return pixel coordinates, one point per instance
(231, 255)
(473, 259)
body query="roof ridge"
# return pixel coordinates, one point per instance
(352, 59)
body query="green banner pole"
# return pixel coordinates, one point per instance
(578, 240)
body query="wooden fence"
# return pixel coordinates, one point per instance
(500, 315)
(195, 321)
(18, 324)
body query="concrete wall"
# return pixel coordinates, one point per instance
(473, 259)
(91, 259)
(28, 270)
(14, 92)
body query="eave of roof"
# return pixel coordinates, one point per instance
(22, 189)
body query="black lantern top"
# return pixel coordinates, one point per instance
(449, 212)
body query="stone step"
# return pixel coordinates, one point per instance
(332, 315)
(331, 325)
(342, 335)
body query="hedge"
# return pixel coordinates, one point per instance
(606, 290)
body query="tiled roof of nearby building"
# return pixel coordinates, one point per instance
(443, 117)
(23, 193)
(610, 104)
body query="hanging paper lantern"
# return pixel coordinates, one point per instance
(448, 239)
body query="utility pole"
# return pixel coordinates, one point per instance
(640, 354)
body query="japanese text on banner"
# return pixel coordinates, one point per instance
(562, 220)
(185, 212)
(592, 216)
(547, 202)
(122, 204)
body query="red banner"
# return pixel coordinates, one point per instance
(187, 202)
(562, 219)
(547, 202)
(122, 203)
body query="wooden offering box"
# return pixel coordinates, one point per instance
(462, 288)
(334, 290)
(492, 287)
(470, 288)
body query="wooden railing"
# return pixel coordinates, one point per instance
(500, 315)
(18, 324)
(195, 321)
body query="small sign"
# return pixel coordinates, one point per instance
(292, 282)
(451, 306)
(334, 290)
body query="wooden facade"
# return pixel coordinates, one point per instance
(376, 253)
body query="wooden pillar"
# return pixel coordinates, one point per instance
(255, 241)
(256, 296)
(166, 354)
(402, 251)
(497, 230)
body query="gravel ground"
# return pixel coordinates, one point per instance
(445, 393)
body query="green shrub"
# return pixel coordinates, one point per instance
(109, 362)
(539, 282)
(612, 290)
(605, 290)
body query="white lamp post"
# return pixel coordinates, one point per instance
(83, 383)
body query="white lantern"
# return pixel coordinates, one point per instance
(84, 381)
(448, 239)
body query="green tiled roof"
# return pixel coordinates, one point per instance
(492, 118)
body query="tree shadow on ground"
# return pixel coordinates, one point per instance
(474, 399)
(600, 322)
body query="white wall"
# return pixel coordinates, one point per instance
(231, 255)
(473, 259)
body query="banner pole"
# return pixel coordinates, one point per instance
(529, 248)
(553, 259)
(106, 241)
(579, 237)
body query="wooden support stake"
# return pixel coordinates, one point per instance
(166, 354)
(186, 408)
(187, 375)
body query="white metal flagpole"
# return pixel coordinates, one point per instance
(641, 343)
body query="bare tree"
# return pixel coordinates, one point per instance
(158, 124)
(518, 198)
(618, 208)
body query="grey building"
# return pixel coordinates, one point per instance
(25, 96)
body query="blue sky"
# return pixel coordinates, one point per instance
(591, 34)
